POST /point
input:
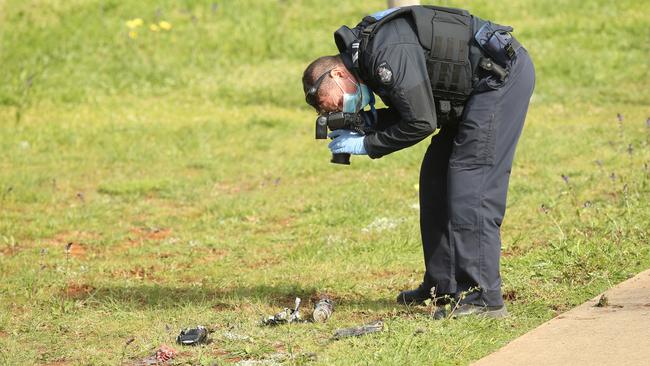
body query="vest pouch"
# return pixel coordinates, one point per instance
(495, 40)
(448, 64)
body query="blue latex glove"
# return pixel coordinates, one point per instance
(346, 141)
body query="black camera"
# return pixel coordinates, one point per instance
(336, 121)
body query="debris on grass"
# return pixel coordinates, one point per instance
(374, 327)
(602, 302)
(193, 336)
(323, 310)
(163, 355)
(236, 337)
(286, 316)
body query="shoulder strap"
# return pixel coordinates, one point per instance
(371, 23)
(448, 10)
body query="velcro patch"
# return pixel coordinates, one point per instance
(384, 73)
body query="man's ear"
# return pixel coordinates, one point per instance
(339, 71)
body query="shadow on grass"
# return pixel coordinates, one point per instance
(143, 296)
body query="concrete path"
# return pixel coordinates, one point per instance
(615, 334)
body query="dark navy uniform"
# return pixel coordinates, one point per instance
(465, 172)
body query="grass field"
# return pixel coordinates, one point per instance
(178, 159)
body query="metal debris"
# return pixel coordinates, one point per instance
(286, 316)
(193, 336)
(323, 310)
(374, 327)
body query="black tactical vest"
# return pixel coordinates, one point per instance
(445, 34)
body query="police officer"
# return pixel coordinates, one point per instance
(436, 67)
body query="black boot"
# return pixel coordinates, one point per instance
(414, 297)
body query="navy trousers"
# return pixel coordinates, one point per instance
(463, 186)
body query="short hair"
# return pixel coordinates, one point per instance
(316, 69)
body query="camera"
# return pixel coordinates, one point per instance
(336, 121)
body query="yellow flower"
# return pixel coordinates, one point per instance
(165, 25)
(133, 34)
(154, 28)
(134, 23)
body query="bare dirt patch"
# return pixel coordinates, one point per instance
(221, 188)
(137, 272)
(76, 250)
(10, 250)
(272, 224)
(155, 234)
(78, 290)
(264, 263)
(222, 306)
(139, 235)
(79, 240)
(213, 255)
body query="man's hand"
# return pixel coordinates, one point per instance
(346, 141)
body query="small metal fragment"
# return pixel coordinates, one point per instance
(193, 336)
(374, 327)
(285, 316)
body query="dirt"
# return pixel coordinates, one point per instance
(226, 355)
(510, 295)
(76, 250)
(221, 188)
(560, 308)
(79, 240)
(379, 274)
(212, 255)
(138, 235)
(264, 263)
(273, 224)
(322, 295)
(279, 347)
(154, 234)
(78, 290)
(137, 272)
(222, 306)
(10, 250)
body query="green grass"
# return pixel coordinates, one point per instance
(182, 166)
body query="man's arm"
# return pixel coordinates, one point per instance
(411, 116)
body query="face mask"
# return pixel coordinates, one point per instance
(354, 102)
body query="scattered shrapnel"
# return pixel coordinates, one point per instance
(374, 327)
(323, 310)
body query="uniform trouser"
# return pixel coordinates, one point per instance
(463, 185)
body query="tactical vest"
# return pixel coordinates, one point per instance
(445, 34)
